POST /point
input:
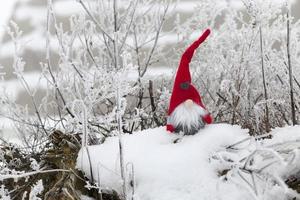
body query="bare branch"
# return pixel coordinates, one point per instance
(156, 40)
(94, 20)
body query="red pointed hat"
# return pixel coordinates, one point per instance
(183, 88)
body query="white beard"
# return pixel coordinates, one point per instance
(187, 118)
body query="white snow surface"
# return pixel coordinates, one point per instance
(185, 170)
(165, 170)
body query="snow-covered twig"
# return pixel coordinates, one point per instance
(290, 68)
(94, 20)
(26, 174)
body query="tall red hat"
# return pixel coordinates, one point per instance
(183, 88)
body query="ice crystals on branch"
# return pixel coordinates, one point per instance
(259, 167)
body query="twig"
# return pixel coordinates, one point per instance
(17, 176)
(118, 99)
(267, 122)
(290, 70)
(207, 89)
(94, 20)
(129, 26)
(239, 142)
(90, 164)
(156, 40)
(153, 107)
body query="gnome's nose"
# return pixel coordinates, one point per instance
(189, 103)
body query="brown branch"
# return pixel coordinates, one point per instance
(267, 122)
(290, 71)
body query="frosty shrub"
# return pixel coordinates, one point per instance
(103, 59)
(242, 71)
(96, 89)
(245, 44)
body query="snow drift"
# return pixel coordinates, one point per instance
(195, 167)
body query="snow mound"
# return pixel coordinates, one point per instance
(165, 170)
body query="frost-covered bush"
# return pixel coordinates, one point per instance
(99, 59)
(229, 68)
(95, 90)
(103, 59)
(98, 86)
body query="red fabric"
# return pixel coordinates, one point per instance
(183, 75)
(170, 128)
(207, 118)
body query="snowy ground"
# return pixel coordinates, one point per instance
(188, 170)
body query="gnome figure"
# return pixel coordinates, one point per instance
(187, 113)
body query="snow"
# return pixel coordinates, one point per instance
(286, 134)
(36, 190)
(284, 140)
(83, 197)
(165, 170)
(168, 170)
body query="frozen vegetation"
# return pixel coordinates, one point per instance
(220, 162)
(98, 130)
